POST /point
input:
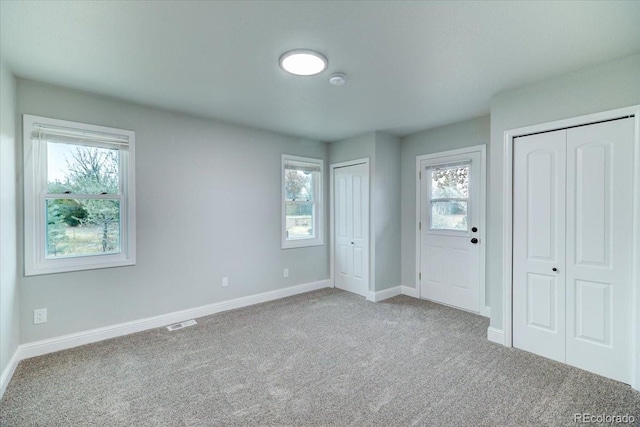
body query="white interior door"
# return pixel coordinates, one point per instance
(599, 248)
(539, 244)
(449, 230)
(572, 284)
(351, 228)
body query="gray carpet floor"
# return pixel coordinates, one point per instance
(322, 358)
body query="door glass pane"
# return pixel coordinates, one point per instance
(298, 185)
(81, 169)
(299, 221)
(82, 227)
(449, 215)
(450, 182)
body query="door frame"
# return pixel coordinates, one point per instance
(332, 239)
(482, 149)
(507, 226)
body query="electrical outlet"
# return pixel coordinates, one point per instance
(225, 281)
(285, 273)
(39, 316)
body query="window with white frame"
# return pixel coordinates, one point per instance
(449, 196)
(79, 196)
(301, 202)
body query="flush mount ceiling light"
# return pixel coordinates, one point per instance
(303, 62)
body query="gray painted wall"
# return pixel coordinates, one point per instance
(458, 135)
(383, 152)
(9, 305)
(386, 211)
(354, 148)
(208, 206)
(608, 86)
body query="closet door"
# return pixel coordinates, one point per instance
(572, 240)
(599, 248)
(351, 216)
(539, 244)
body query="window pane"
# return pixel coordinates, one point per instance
(299, 221)
(450, 183)
(449, 215)
(298, 185)
(82, 227)
(82, 169)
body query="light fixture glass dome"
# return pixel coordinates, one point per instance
(303, 62)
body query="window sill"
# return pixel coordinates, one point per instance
(56, 267)
(302, 243)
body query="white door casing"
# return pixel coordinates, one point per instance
(573, 246)
(450, 266)
(351, 228)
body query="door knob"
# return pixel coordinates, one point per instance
(474, 229)
(474, 241)
(554, 269)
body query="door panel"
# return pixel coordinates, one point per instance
(351, 216)
(542, 302)
(448, 278)
(435, 265)
(450, 262)
(542, 179)
(599, 248)
(358, 263)
(460, 277)
(593, 204)
(343, 261)
(358, 223)
(539, 244)
(593, 312)
(341, 206)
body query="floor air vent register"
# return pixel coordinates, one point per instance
(181, 325)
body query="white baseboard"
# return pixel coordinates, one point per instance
(409, 291)
(495, 335)
(384, 294)
(8, 371)
(51, 345)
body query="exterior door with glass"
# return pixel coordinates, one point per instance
(449, 230)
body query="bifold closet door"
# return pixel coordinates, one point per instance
(351, 216)
(599, 248)
(572, 239)
(539, 244)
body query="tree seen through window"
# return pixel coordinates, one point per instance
(82, 225)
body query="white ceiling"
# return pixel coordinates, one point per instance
(410, 65)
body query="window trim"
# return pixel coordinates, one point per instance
(35, 240)
(318, 219)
